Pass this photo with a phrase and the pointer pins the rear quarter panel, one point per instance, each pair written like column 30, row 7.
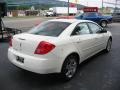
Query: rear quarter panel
column 64, row 47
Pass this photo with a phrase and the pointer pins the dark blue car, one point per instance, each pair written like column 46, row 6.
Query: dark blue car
column 96, row 17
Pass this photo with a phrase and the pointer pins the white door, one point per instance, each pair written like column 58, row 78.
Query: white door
column 84, row 40
column 99, row 37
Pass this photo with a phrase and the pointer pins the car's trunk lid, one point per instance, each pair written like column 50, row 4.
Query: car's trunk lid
column 27, row 43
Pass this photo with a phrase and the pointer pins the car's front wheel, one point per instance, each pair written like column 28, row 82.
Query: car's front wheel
column 108, row 47
column 69, row 67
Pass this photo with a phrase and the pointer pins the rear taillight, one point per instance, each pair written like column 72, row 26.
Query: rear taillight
column 10, row 42
column 44, row 48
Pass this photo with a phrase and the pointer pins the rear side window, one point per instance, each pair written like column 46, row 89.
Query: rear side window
column 51, row 28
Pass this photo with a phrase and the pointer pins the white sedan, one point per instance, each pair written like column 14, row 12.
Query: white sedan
column 58, row 46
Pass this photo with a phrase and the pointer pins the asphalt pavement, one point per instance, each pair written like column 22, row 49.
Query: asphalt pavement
column 101, row 72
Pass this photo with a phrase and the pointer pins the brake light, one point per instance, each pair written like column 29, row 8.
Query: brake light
column 44, row 48
column 10, row 41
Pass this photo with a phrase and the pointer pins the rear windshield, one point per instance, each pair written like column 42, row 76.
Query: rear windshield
column 51, row 28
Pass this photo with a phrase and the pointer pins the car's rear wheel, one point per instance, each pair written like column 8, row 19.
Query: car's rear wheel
column 108, row 47
column 103, row 23
column 69, row 67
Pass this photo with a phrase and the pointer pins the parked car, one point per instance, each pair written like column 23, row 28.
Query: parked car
column 96, row 17
column 58, row 46
column 116, row 17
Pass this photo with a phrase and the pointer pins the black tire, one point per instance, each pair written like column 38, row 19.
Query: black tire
column 69, row 68
column 108, row 47
column 103, row 23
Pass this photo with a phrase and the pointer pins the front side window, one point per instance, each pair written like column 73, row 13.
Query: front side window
column 81, row 29
column 50, row 28
column 95, row 28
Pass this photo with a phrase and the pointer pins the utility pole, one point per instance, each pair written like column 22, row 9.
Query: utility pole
column 76, row 1
column 116, row 3
column 68, row 6
column 1, row 25
column 102, row 6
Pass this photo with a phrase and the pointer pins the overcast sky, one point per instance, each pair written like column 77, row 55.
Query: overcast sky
column 93, row 3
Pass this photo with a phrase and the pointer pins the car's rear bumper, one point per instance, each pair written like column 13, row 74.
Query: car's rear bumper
column 34, row 64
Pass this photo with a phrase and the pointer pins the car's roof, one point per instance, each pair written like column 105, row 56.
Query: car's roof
column 70, row 20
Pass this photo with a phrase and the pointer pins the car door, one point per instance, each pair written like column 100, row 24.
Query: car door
column 100, row 40
column 83, row 40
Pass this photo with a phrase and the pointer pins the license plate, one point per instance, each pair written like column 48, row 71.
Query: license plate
column 20, row 59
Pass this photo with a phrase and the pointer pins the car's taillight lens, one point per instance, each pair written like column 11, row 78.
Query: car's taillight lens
column 10, row 42
column 44, row 48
